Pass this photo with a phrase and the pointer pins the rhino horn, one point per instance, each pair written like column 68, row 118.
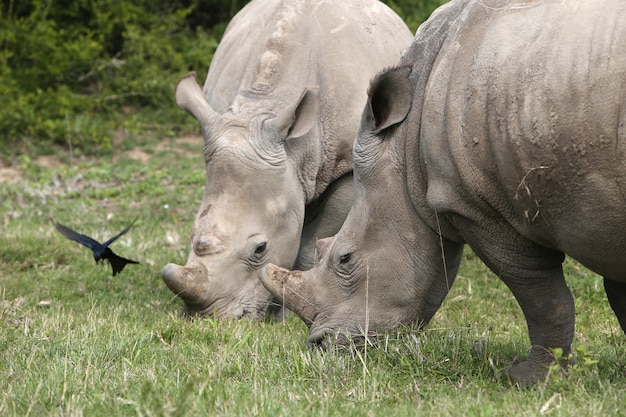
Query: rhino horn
column 190, row 282
column 189, row 97
column 289, row 288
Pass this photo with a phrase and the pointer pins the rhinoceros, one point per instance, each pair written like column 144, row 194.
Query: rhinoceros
column 279, row 112
column 502, row 127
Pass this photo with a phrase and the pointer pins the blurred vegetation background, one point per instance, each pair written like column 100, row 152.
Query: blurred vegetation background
column 82, row 73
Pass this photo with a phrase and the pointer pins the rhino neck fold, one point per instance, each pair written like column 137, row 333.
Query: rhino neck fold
column 429, row 39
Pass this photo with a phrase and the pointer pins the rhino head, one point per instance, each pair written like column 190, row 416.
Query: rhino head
column 388, row 265
column 253, row 205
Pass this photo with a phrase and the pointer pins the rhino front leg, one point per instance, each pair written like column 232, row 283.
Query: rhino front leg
column 548, row 307
column 324, row 217
column 535, row 276
column 616, row 293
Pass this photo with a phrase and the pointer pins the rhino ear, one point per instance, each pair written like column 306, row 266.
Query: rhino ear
column 295, row 121
column 189, row 97
column 389, row 98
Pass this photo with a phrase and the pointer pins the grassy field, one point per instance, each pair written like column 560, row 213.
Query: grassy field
column 75, row 341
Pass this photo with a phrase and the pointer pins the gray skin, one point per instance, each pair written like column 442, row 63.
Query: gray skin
column 279, row 112
column 503, row 127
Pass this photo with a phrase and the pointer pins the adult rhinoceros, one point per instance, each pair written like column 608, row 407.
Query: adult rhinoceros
column 279, row 112
column 503, row 127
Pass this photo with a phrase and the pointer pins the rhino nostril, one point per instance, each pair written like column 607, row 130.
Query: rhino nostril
column 207, row 245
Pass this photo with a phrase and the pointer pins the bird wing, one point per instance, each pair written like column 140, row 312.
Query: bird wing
column 117, row 262
column 108, row 242
column 77, row 237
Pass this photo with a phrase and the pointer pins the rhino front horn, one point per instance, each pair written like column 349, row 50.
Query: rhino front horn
column 288, row 288
column 190, row 283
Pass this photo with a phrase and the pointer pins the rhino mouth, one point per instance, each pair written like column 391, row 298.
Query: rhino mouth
column 317, row 338
column 223, row 308
column 340, row 340
column 191, row 311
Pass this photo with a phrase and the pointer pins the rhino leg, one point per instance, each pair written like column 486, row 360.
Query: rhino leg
column 324, row 217
column 548, row 307
column 616, row 293
column 535, row 276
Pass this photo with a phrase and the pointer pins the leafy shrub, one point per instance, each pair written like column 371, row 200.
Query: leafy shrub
column 69, row 69
column 76, row 72
column 414, row 12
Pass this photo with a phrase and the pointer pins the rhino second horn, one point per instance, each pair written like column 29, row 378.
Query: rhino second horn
column 189, row 97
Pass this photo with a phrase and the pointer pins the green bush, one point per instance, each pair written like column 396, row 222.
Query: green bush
column 71, row 69
column 414, row 12
column 77, row 72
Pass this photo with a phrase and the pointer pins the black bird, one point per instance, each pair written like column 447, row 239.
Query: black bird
column 100, row 250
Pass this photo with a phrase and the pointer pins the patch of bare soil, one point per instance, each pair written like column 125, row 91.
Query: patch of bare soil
column 9, row 175
column 185, row 145
column 138, row 155
column 48, row 161
column 12, row 175
column 188, row 145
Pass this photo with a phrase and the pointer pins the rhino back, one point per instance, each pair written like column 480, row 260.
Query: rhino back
column 524, row 121
column 273, row 48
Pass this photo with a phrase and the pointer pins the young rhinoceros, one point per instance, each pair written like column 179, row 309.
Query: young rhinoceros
column 503, row 127
column 279, row 112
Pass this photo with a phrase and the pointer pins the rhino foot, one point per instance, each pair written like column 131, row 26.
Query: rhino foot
column 537, row 368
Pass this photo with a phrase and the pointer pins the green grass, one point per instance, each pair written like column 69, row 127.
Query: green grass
column 75, row 341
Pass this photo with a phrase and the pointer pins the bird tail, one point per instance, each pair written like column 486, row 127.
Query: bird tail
column 118, row 263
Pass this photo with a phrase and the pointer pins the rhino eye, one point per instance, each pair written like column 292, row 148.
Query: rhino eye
column 345, row 258
column 260, row 249
column 256, row 252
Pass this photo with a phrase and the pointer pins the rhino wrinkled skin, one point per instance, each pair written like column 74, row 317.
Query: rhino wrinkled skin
column 279, row 113
column 502, row 127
